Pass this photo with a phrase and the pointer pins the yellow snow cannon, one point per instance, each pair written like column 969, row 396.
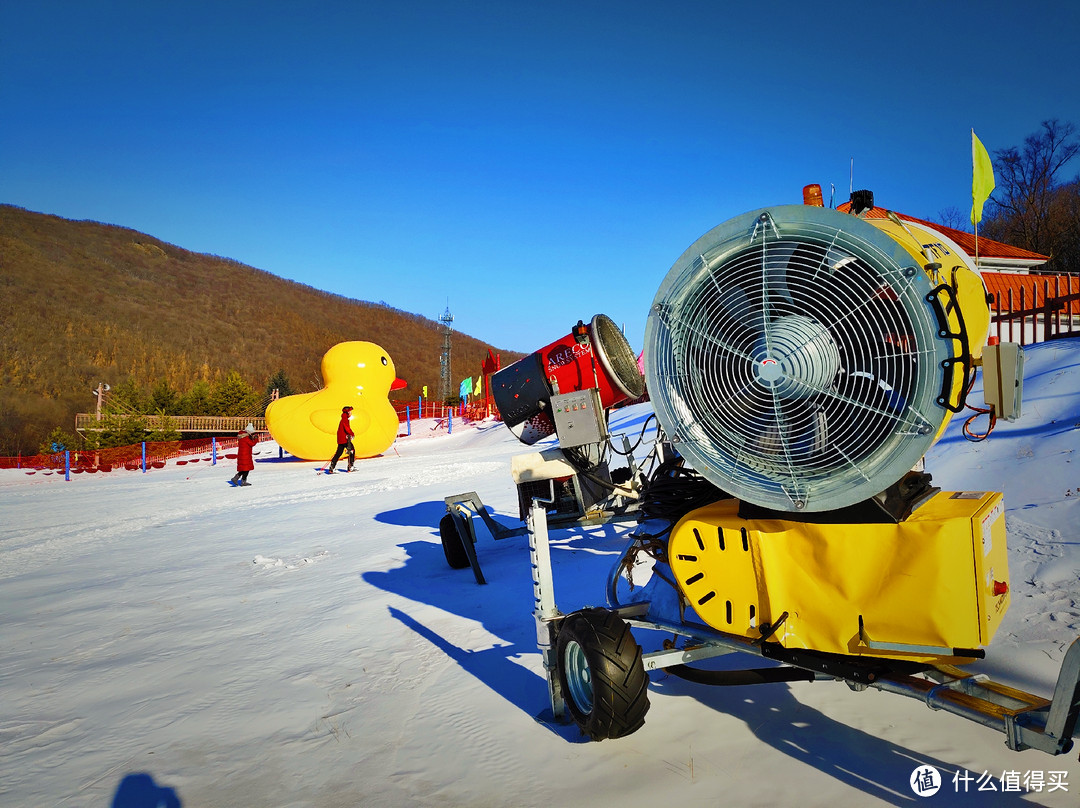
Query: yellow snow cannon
column 804, row 360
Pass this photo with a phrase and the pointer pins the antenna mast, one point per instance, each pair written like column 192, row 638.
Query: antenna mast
column 445, row 385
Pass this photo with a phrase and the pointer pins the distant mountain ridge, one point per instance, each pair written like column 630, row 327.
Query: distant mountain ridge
column 83, row 302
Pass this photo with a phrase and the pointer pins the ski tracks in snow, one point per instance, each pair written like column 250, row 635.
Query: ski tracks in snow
column 26, row 548
column 291, row 563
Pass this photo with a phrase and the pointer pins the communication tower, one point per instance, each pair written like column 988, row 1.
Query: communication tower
column 445, row 384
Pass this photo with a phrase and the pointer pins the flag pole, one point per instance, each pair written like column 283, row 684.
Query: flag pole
column 973, row 202
column 976, row 245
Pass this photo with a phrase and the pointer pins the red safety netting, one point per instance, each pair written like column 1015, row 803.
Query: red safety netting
column 128, row 458
column 415, row 411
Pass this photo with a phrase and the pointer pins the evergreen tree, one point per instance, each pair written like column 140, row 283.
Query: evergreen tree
column 164, row 400
column 57, row 441
column 280, row 382
column 234, row 396
column 126, row 397
column 117, row 430
column 165, row 433
column 196, row 401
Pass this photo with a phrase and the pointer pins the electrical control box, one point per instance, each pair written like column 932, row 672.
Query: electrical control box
column 579, row 418
column 1003, row 378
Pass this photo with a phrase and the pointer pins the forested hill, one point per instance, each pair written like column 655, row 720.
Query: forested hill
column 83, row 302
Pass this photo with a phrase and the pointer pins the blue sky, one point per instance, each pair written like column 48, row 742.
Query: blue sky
column 529, row 163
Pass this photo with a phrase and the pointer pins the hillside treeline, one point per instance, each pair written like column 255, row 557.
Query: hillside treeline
column 122, row 419
column 85, row 302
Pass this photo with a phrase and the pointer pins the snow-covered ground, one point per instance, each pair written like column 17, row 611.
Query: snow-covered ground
column 166, row 639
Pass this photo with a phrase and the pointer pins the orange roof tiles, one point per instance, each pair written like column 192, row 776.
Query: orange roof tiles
column 999, row 283
column 988, row 248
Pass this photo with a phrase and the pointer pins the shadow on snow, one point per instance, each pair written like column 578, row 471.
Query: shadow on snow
column 581, row 560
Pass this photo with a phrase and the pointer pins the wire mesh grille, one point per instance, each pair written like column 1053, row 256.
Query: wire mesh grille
column 795, row 358
column 615, row 353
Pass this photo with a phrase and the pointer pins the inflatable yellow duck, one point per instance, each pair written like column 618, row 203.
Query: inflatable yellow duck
column 355, row 374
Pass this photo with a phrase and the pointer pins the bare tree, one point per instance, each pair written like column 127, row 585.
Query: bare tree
column 1065, row 222
column 1023, row 205
column 953, row 217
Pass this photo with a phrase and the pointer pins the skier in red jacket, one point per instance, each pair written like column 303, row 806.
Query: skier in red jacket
column 344, row 441
column 244, row 462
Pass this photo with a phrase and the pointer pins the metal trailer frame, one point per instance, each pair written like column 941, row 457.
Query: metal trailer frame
column 464, row 507
column 620, row 505
column 1027, row 721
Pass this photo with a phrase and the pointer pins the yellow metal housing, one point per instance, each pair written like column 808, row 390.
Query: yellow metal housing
column 917, row 590
column 953, row 267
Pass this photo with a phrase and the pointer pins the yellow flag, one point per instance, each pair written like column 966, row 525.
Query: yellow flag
column 982, row 178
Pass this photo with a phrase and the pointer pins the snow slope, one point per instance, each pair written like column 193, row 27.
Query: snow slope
column 168, row 639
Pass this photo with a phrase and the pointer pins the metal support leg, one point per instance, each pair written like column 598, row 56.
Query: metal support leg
column 544, row 610
column 1064, row 709
column 463, row 523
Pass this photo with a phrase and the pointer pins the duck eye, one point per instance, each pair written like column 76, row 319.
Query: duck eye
column 384, row 360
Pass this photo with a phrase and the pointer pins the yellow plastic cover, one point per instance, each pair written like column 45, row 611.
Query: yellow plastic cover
column 915, row 590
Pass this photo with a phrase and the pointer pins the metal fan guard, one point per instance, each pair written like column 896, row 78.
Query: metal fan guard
column 793, row 357
column 616, row 356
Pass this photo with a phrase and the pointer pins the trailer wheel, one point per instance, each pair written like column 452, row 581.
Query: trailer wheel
column 601, row 673
column 453, row 543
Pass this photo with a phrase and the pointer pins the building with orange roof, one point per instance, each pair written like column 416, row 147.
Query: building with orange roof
column 993, row 255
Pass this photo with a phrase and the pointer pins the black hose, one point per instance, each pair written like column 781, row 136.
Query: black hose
column 674, row 490
column 751, row 676
column 599, row 481
column 637, row 443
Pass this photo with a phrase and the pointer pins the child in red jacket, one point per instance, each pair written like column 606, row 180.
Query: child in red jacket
column 244, row 461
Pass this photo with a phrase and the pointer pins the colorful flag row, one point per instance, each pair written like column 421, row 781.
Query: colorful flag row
column 470, row 388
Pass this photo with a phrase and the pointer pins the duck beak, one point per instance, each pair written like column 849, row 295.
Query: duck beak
column 399, row 384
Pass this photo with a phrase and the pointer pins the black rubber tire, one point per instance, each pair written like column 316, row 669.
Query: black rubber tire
column 601, row 674
column 453, row 544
